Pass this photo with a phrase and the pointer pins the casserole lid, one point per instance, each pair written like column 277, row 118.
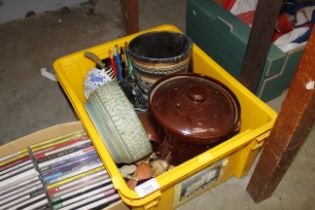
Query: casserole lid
column 196, row 107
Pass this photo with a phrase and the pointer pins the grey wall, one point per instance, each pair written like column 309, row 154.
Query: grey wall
column 16, row 9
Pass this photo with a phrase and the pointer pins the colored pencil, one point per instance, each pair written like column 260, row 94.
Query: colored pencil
column 112, row 62
column 117, row 62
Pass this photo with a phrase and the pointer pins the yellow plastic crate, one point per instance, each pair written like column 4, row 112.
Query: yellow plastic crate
column 234, row 157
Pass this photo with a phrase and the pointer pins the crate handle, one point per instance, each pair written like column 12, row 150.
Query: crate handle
column 263, row 136
column 151, row 204
column 258, row 145
column 260, row 140
column 229, row 25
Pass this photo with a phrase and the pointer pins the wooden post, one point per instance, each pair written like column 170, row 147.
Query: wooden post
column 292, row 126
column 130, row 15
column 259, row 42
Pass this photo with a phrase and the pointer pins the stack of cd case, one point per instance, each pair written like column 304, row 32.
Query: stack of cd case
column 73, row 173
column 64, row 157
column 90, row 190
column 60, row 173
column 20, row 183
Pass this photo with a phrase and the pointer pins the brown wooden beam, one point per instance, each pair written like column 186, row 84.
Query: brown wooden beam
column 292, row 126
column 130, row 15
column 259, row 42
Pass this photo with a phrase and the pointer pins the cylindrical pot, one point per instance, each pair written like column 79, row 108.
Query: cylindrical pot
column 193, row 113
column 118, row 124
column 157, row 54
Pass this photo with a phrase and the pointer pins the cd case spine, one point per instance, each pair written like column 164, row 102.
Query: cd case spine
column 60, row 173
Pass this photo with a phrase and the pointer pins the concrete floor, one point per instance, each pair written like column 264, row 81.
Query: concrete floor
column 30, row 102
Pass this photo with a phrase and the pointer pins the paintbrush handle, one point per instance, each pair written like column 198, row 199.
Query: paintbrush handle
column 95, row 59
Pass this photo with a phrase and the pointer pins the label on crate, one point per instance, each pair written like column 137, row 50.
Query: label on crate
column 147, row 187
column 194, row 185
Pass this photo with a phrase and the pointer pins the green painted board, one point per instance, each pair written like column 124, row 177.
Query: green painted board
column 224, row 38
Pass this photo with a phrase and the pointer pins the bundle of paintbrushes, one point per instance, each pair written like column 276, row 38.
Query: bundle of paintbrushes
column 116, row 67
column 121, row 62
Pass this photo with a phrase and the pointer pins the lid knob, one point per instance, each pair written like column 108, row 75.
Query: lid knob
column 197, row 93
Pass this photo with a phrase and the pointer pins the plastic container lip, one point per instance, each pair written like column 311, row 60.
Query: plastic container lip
column 149, row 37
column 64, row 67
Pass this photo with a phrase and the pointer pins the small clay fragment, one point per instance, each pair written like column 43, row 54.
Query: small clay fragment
column 126, row 170
column 159, row 167
column 143, row 171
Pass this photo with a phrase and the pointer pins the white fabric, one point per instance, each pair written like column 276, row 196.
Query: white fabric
column 283, row 42
column 242, row 6
column 290, row 46
column 304, row 15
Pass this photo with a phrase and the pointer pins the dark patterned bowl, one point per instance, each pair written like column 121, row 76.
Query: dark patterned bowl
column 156, row 54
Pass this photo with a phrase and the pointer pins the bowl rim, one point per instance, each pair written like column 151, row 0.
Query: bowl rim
column 174, row 59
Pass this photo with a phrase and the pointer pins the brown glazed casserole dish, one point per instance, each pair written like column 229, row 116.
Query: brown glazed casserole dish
column 192, row 113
